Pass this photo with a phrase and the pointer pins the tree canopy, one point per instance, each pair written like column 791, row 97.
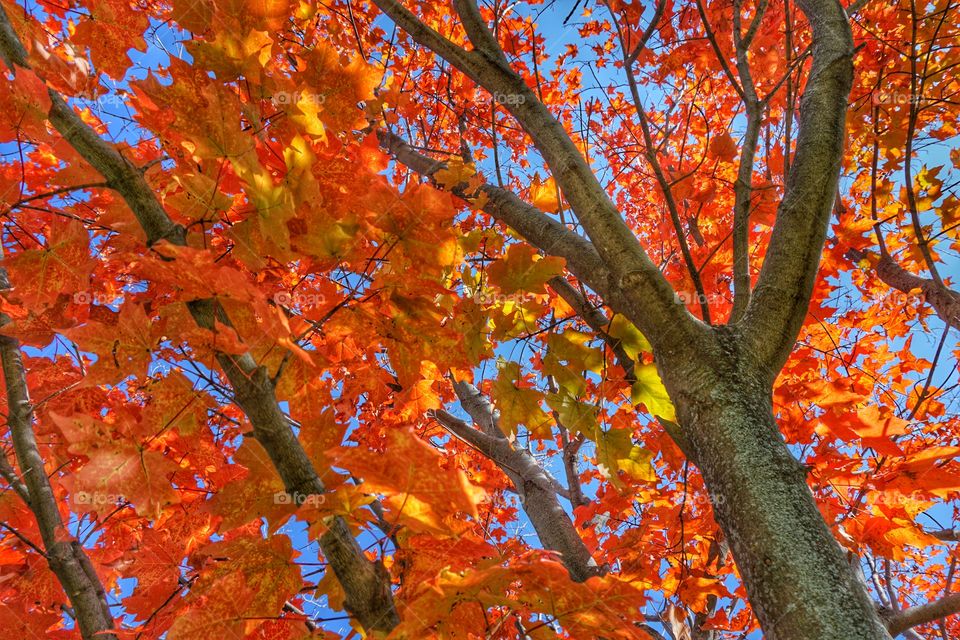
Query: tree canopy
column 460, row 319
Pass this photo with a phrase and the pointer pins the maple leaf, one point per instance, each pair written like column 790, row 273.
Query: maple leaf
column 455, row 173
column 174, row 404
column 243, row 582
column 117, row 470
column 616, row 452
column 630, row 338
column 251, row 490
column 696, row 590
column 523, row 270
column 123, row 344
column 723, row 147
column 61, row 266
column 518, row 405
column 111, row 31
column 193, row 15
column 420, row 491
column 156, row 558
column 575, row 415
column 873, row 428
column 24, row 108
column 543, row 587
column 543, row 194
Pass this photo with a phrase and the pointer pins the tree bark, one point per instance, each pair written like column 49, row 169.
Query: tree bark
column 901, row 621
column 797, row 577
column 945, row 301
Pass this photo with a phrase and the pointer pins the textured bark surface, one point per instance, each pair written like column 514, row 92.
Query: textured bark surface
column 798, row 579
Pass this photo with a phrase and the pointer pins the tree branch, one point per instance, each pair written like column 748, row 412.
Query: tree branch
column 537, row 489
column 945, row 301
column 661, row 317
column 10, row 474
column 947, row 535
column 900, row 621
column 743, row 188
column 522, row 461
column 570, row 450
column 712, row 39
column 545, row 233
column 779, row 305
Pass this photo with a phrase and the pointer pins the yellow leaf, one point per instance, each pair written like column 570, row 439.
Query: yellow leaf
column 650, row 391
column 632, row 341
column 638, row 464
column 518, row 405
column 455, row 173
column 420, row 490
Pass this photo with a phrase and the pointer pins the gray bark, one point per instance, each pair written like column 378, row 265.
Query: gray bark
column 797, row 577
column 945, row 301
column 899, row 622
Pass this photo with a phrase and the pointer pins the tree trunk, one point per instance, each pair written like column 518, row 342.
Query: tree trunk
column 797, row 577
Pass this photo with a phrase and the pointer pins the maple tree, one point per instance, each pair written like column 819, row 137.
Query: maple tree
column 503, row 319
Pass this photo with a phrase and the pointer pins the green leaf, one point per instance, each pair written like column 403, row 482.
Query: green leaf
column 518, row 405
column 616, row 452
column 565, row 377
column 575, row 416
column 572, row 348
column 638, row 465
